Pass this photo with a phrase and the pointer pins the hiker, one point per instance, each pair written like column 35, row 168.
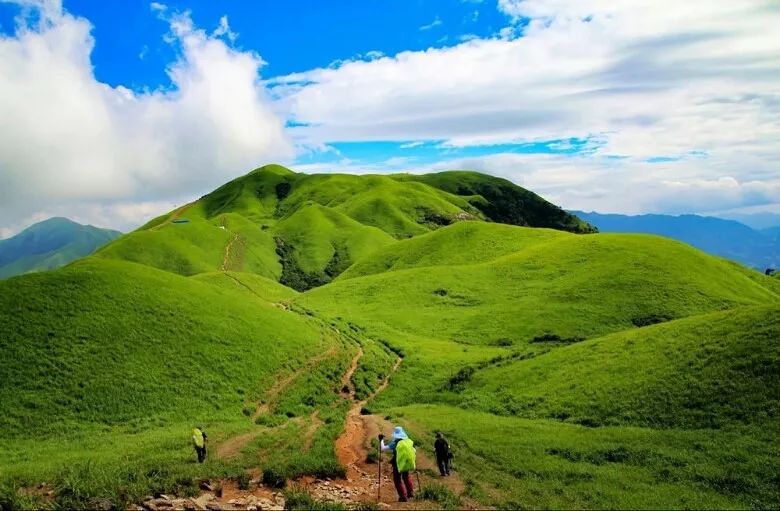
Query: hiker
column 199, row 440
column 403, row 462
column 443, row 454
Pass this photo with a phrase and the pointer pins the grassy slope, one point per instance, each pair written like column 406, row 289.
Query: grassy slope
column 461, row 243
column 543, row 464
column 205, row 348
column 183, row 349
column 717, row 371
column 570, row 286
column 501, row 200
column 99, row 393
column 319, row 233
column 714, row 371
column 395, row 207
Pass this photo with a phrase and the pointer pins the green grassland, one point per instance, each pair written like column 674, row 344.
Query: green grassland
column 568, row 370
column 534, row 463
column 566, row 285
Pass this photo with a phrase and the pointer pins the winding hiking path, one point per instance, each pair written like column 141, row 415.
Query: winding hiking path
column 361, row 484
column 226, row 258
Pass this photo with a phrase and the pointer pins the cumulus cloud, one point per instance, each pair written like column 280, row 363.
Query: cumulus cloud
column 648, row 78
column 627, row 185
column 71, row 143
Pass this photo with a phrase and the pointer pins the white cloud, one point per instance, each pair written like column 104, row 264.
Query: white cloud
column 435, row 23
column 224, row 30
column 626, row 185
column 649, row 78
column 71, row 143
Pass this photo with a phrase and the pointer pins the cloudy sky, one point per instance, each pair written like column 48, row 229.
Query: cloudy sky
column 114, row 112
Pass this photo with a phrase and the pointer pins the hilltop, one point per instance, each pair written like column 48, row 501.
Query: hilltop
column 50, row 244
column 304, row 230
column 293, row 316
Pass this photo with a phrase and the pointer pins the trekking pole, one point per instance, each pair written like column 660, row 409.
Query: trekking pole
column 379, row 476
column 417, row 473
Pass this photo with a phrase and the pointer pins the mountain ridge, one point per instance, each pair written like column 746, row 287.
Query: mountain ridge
column 50, row 244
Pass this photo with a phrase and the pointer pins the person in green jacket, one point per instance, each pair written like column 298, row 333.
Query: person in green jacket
column 403, row 462
column 199, row 440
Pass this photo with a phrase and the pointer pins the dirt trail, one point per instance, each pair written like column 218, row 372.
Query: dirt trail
column 347, row 389
column 352, row 448
column 226, row 257
column 174, row 216
column 316, row 423
column 282, row 383
column 231, row 447
column 360, row 485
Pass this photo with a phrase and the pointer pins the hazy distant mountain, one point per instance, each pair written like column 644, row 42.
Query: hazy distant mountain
column 50, row 244
column 726, row 238
column 758, row 221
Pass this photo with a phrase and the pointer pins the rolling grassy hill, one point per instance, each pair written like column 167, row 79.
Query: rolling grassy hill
column 50, row 244
column 557, row 284
column 304, row 230
column 568, row 370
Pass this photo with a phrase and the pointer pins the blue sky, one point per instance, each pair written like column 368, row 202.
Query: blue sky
column 116, row 111
column 313, row 34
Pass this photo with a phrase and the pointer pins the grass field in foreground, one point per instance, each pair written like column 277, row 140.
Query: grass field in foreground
column 533, row 464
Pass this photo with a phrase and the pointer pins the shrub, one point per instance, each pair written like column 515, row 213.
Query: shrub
column 274, row 478
column 555, row 338
column 283, row 190
column 456, row 382
column 243, row 480
column 649, row 319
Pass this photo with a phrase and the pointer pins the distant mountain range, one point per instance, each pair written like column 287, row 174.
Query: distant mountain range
column 759, row 249
column 50, row 244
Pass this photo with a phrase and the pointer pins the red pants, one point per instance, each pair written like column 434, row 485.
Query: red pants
column 403, row 483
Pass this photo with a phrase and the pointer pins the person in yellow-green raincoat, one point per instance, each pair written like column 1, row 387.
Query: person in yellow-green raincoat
column 199, row 440
column 403, row 462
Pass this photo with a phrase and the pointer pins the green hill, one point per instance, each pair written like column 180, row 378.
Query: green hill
column 502, row 201
column 185, row 349
column 708, row 371
column 304, row 230
column 567, row 370
column 556, row 284
column 50, row 244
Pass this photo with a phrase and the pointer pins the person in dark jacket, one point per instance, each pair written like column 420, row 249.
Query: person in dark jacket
column 443, row 454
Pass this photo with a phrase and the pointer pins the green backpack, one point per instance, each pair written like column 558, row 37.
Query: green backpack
column 405, row 456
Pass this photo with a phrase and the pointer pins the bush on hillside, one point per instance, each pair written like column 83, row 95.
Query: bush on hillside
column 650, row 319
column 459, row 380
column 274, row 477
column 555, row 338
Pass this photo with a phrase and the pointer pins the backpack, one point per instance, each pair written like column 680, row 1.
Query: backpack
column 405, row 457
column 197, row 438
